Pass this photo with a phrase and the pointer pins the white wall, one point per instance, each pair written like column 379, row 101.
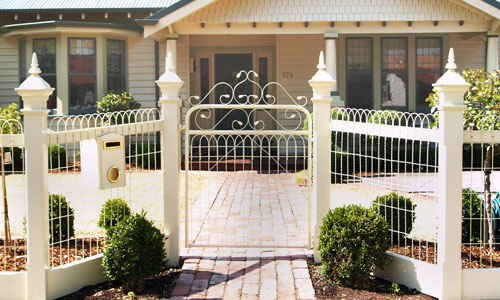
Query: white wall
column 9, row 71
column 141, row 70
column 470, row 50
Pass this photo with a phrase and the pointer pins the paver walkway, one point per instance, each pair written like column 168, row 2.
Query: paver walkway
column 247, row 209
column 238, row 273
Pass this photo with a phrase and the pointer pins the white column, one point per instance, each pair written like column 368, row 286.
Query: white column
column 492, row 51
column 321, row 84
column 171, row 40
column 35, row 92
column 331, row 65
column 170, row 85
column 450, row 88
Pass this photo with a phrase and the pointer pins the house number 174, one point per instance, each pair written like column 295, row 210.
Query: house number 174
column 287, row 75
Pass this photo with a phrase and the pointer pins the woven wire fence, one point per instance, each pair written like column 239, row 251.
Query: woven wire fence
column 388, row 160
column 78, row 217
column 13, row 241
column 481, row 197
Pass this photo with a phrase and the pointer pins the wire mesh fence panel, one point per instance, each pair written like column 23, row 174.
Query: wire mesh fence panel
column 480, row 196
column 82, row 215
column 13, row 241
column 388, row 160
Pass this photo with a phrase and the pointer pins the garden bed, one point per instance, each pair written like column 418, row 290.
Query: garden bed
column 374, row 288
column 154, row 287
column 13, row 258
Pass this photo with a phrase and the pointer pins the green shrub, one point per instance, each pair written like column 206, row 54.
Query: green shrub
column 113, row 212
column 398, row 211
column 117, row 102
column 11, row 114
column 146, row 156
column 352, row 242
column 472, row 211
column 62, row 218
column 57, row 157
column 134, row 251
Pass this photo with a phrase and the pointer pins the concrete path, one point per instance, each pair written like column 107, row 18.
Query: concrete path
column 239, row 273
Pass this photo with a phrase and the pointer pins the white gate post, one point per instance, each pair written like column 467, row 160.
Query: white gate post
column 35, row 92
column 450, row 89
column 170, row 85
column 321, row 83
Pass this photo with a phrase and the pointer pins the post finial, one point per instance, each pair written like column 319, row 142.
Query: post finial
column 321, row 63
column 451, row 65
column 34, row 70
column 169, row 63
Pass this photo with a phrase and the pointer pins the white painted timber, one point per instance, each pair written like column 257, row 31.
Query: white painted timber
column 71, row 277
column 382, row 130
column 9, row 74
column 481, row 136
column 470, row 49
column 13, row 286
column 412, row 273
column 141, row 70
column 480, row 284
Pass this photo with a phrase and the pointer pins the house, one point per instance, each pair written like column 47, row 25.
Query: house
column 384, row 54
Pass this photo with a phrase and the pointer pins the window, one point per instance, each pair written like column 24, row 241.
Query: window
column 115, row 58
column 204, row 80
column 394, row 73
column 82, row 75
column 359, row 77
column 429, row 66
column 46, row 52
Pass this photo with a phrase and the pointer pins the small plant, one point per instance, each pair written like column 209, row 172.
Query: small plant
column 62, row 217
column 352, row 243
column 398, row 211
column 394, row 289
column 134, row 251
column 117, row 102
column 131, row 295
column 113, row 212
column 472, row 208
column 57, row 157
column 146, row 156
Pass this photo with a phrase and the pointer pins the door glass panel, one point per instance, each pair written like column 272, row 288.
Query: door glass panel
column 429, row 66
column 394, row 73
column 359, row 72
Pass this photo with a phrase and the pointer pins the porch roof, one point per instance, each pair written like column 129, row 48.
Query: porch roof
column 84, row 5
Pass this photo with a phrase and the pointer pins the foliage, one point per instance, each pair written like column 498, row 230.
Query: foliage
column 10, row 112
column 352, row 242
column 112, row 103
column 398, row 211
column 472, row 208
column 394, row 289
column 482, row 100
column 57, row 157
column 134, row 251
column 146, row 156
column 387, row 117
column 62, row 218
column 113, row 212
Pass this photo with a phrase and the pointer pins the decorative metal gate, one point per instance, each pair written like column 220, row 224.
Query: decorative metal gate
column 247, row 163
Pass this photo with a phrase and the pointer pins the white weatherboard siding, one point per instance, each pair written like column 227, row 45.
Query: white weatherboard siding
column 9, row 71
column 141, row 70
column 297, row 57
column 470, row 50
column 342, row 10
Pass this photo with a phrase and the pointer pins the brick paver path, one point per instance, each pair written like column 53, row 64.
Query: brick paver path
column 247, row 209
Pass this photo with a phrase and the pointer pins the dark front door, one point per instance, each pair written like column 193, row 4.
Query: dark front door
column 227, row 66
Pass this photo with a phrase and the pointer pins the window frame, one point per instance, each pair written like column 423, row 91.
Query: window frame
column 420, row 109
column 68, row 71
column 124, row 62
column 407, row 100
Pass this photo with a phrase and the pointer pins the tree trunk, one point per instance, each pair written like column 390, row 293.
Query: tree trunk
column 5, row 204
column 487, row 195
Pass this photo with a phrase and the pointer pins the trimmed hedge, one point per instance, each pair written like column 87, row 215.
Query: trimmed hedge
column 113, row 212
column 62, row 216
column 399, row 212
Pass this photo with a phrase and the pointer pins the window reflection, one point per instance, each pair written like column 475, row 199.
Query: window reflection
column 46, row 53
column 429, row 67
column 359, row 72
column 394, row 73
column 82, row 77
column 115, row 63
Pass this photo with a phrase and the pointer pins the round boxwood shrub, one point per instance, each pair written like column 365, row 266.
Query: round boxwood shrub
column 352, row 243
column 472, row 211
column 134, row 251
column 398, row 211
column 57, row 157
column 62, row 219
column 113, row 212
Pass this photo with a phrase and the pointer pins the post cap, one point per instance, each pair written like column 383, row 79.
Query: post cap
column 169, row 82
column 321, row 83
column 451, row 77
column 34, row 90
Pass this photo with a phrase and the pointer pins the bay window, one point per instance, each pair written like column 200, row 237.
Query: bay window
column 46, row 52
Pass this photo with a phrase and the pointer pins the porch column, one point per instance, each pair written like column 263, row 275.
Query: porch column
column 172, row 47
column 331, row 65
column 492, row 51
column 321, row 84
column 35, row 92
column 170, row 84
column 450, row 89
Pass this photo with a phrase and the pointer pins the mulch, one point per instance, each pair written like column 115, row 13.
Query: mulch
column 373, row 289
column 13, row 258
column 473, row 257
column 155, row 287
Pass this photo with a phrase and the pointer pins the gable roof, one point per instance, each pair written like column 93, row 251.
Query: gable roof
column 83, row 5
